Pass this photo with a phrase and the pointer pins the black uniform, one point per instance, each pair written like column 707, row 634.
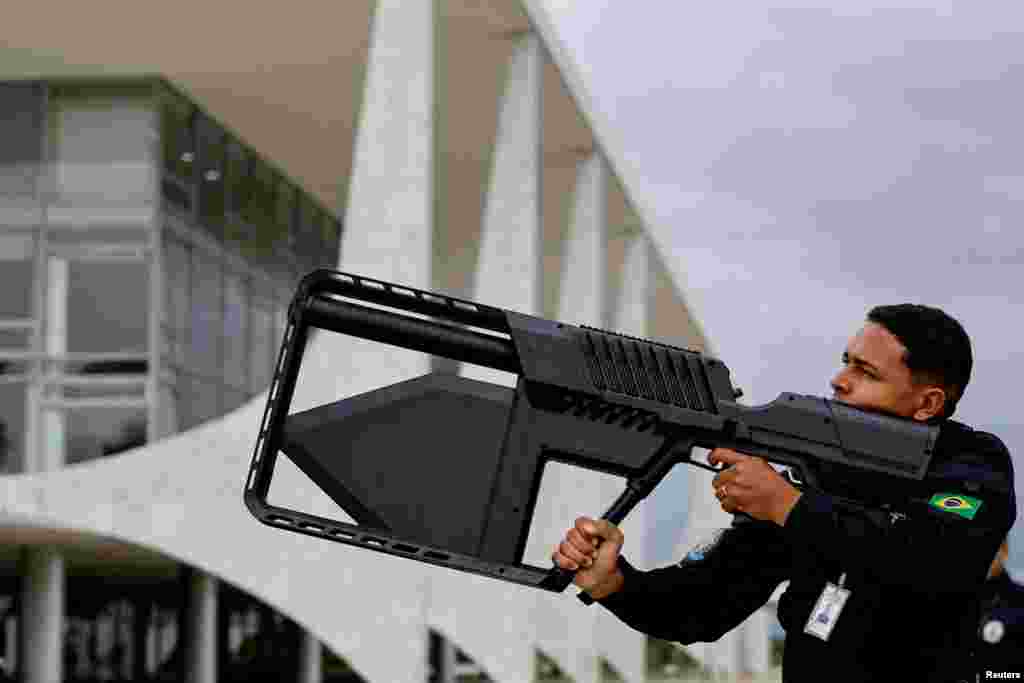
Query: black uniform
column 913, row 573
column 1001, row 628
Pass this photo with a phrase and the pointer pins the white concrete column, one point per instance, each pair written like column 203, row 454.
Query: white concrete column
column 41, row 627
column 508, row 271
column 387, row 235
column 388, row 215
column 42, row 616
column 50, row 448
column 310, row 659
column 623, row 647
column 463, row 606
column 202, row 629
column 566, row 628
column 583, row 290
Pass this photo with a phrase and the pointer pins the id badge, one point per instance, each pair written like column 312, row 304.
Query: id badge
column 827, row 610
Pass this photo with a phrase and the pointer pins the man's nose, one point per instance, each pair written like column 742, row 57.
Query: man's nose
column 840, row 383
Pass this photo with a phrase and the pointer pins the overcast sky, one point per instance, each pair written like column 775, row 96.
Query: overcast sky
column 798, row 163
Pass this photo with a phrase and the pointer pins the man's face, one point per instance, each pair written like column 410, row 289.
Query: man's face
column 875, row 377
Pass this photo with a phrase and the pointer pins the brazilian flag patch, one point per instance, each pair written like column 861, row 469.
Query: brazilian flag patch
column 965, row 506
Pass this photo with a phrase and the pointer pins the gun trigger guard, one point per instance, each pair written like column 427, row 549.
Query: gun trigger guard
column 709, row 468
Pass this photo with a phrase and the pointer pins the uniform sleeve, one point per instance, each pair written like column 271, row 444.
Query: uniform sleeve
column 925, row 548
column 711, row 591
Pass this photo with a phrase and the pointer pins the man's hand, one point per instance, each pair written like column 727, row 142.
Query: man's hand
column 752, row 486
column 592, row 547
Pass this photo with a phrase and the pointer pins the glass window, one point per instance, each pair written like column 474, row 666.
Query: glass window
column 14, row 339
column 108, row 306
column 261, row 335
column 176, row 115
column 211, row 152
column 12, row 426
column 285, row 203
column 304, row 249
column 236, row 331
column 237, row 180
column 205, row 324
column 331, row 241
column 267, row 238
column 177, row 148
column 103, row 237
column 198, row 400
column 177, row 269
column 233, row 399
column 95, row 432
column 103, row 149
column 103, row 379
column 21, row 135
column 16, row 270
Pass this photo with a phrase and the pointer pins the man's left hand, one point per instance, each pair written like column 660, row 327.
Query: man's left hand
column 752, row 486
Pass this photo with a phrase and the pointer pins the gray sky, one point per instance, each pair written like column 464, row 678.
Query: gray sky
column 801, row 162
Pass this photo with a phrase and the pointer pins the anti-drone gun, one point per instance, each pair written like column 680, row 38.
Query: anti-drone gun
column 445, row 469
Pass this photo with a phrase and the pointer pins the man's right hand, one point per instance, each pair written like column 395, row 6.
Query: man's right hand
column 591, row 548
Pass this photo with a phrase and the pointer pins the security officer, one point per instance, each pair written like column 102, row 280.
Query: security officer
column 873, row 595
column 1001, row 629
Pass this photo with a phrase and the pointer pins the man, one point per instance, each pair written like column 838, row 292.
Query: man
column 1001, row 627
column 874, row 595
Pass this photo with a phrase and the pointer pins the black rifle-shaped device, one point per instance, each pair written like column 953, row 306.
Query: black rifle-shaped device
column 445, row 469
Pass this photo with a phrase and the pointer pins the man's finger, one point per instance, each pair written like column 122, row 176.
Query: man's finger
column 564, row 562
column 573, row 554
column 725, row 477
column 595, row 529
column 579, row 542
column 586, row 526
column 725, row 456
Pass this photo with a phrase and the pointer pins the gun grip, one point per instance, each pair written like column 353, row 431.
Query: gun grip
column 558, row 579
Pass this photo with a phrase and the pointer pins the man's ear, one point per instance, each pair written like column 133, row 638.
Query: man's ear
column 930, row 403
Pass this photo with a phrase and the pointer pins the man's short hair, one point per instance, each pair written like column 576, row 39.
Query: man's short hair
column 938, row 348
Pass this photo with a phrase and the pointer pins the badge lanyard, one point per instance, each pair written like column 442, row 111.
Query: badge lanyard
column 827, row 610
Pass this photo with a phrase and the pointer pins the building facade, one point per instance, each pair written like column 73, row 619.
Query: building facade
column 149, row 256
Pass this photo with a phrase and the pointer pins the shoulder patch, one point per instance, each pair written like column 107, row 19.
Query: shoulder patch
column 965, row 506
column 703, row 548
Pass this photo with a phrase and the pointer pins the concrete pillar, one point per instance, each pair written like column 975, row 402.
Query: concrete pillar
column 583, row 291
column 42, row 616
column 49, row 451
column 201, row 632
column 624, row 648
column 310, row 659
column 566, row 629
column 508, row 273
column 507, row 276
column 387, row 235
column 390, row 205
column 41, row 627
